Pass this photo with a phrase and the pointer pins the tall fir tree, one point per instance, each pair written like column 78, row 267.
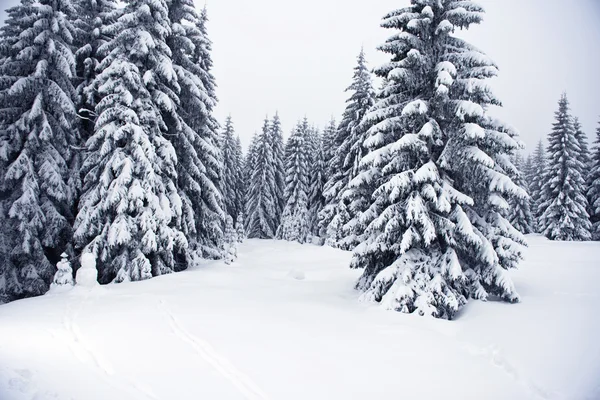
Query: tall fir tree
column 294, row 221
column 329, row 134
column 593, row 185
column 261, row 204
column 584, row 151
column 563, row 204
column 38, row 133
column 278, row 148
column 536, row 181
column 193, row 130
column 527, row 173
column 232, row 171
column 316, row 201
column 439, row 236
column 240, row 192
column 129, row 208
column 348, row 150
column 519, row 213
column 93, row 19
column 249, row 165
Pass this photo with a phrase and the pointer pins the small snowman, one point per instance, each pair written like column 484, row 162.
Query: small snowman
column 87, row 274
column 63, row 278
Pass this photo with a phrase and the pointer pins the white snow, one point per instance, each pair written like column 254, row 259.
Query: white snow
column 87, row 274
column 254, row 330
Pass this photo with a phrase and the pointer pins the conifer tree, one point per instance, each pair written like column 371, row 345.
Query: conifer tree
column 536, row 181
column 439, row 236
column 316, row 201
column 348, row 149
column 294, row 221
column 563, row 204
column 261, row 204
column 593, row 185
column 232, row 179
column 527, row 170
column 38, row 132
column 128, row 211
column 230, row 242
column 329, row 134
column 584, row 151
column 279, row 167
column 519, row 213
column 249, row 165
column 239, row 228
column 193, row 130
column 93, row 18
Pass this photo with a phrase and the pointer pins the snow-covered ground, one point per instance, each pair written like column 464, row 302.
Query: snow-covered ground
column 283, row 322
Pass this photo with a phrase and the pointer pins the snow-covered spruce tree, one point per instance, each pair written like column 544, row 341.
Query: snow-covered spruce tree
column 584, row 151
column 92, row 19
column 348, row 148
column 193, row 130
column 563, row 204
column 230, row 242
column 279, row 167
column 232, row 172
column 593, row 187
column 536, row 181
column 239, row 228
column 519, row 213
column 240, row 190
column 440, row 236
column 527, row 171
column 261, row 204
column 249, row 165
column 38, row 133
column 316, row 201
column 294, row 221
column 128, row 210
column 329, row 134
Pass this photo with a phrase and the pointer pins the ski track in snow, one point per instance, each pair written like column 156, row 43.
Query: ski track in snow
column 495, row 356
column 73, row 338
column 248, row 388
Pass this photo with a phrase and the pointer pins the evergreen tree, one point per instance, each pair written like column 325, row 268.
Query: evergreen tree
column 593, row 191
column 527, row 170
column 563, row 203
column 279, row 167
column 261, row 204
column 536, row 181
column 239, row 228
column 519, row 213
column 316, row 201
column 230, row 242
column 193, row 130
column 329, row 134
column 294, row 221
column 348, row 151
column 232, row 172
column 93, row 18
column 584, row 151
column 249, row 165
column 439, row 235
column 128, row 211
column 240, row 192
column 38, row 132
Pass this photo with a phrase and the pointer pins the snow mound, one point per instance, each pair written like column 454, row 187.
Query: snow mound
column 297, row 274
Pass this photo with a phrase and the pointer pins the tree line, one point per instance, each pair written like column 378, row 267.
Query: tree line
column 110, row 148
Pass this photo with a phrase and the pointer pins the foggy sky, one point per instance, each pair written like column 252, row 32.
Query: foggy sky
column 297, row 58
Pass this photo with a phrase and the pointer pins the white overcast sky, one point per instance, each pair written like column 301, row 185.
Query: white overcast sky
column 296, row 57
